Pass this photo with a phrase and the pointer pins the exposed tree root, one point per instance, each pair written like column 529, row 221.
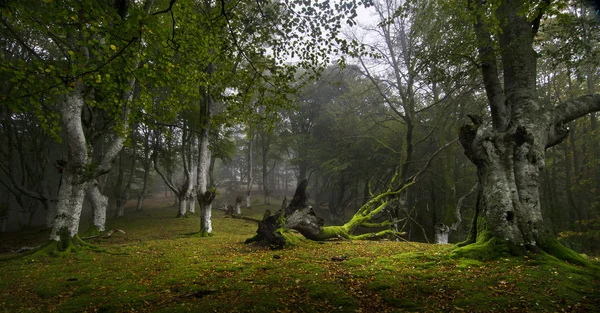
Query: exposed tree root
column 94, row 231
column 108, row 234
column 64, row 247
column 486, row 246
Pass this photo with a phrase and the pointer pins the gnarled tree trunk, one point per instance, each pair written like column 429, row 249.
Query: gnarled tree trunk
column 509, row 152
column 273, row 230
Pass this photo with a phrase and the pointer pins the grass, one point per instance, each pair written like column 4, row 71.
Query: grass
column 162, row 268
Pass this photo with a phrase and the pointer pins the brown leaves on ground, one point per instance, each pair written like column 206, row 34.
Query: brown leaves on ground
column 165, row 270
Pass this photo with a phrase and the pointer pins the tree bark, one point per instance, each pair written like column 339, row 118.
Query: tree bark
column 99, row 203
column 72, row 188
column 250, row 174
column 510, row 155
column 147, row 164
column 205, row 194
column 238, row 205
column 273, row 230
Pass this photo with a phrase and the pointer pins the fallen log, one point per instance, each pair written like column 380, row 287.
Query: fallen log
column 274, row 230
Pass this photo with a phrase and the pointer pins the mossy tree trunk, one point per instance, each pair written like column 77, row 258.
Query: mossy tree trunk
column 509, row 152
column 298, row 215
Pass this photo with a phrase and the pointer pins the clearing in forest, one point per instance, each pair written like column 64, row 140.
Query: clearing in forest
column 157, row 267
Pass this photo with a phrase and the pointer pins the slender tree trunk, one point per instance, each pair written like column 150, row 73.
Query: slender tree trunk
column 206, row 194
column 193, row 172
column 238, row 205
column 182, row 205
column 147, row 164
column 50, row 213
column 99, row 202
column 250, row 174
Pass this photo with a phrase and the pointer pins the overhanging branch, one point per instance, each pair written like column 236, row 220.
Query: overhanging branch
column 573, row 109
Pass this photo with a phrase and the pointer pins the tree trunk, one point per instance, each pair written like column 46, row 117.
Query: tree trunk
column 182, row 205
column 250, row 174
column 509, row 153
column 441, row 233
column 99, row 203
column 238, row 205
column 147, row 163
column 193, row 165
column 50, row 213
column 273, row 230
column 206, row 194
column 72, row 188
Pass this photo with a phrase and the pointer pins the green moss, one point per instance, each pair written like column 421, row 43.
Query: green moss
column 468, row 263
column 354, row 262
column 337, row 296
column 64, row 247
column 378, row 285
column 290, row 239
column 93, row 231
column 332, row 232
column 45, row 291
column 554, row 248
column 487, row 246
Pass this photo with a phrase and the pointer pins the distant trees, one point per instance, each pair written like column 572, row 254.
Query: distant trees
column 88, row 70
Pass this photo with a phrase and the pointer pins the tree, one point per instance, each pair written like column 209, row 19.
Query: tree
column 509, row 152
column 298, row 215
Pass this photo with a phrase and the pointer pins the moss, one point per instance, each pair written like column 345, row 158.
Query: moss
column 202, row 234
column 554, row 248
column 486, row 246
column 331, row 232
column 93, row 231
column 468, row 263
column 64, row 247
column 289, row 238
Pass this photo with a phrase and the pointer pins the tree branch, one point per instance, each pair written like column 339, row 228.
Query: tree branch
column 573, row 109
column 489, row 69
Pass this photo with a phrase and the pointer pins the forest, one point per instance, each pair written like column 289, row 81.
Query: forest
column 299, row 155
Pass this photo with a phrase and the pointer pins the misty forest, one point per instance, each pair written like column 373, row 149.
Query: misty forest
column 300, row 156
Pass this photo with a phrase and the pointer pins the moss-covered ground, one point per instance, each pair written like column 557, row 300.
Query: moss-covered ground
column 159, row 267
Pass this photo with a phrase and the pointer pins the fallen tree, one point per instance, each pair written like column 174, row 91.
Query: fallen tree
column 274, row 229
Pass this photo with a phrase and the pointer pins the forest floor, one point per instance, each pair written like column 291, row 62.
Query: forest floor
column 158, row 267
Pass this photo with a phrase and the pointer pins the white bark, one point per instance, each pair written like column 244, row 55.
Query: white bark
column 99, row 204
column 206, row 215
column 203, row 168
column 441, row 233
column 72, row 188
column 250, row 174
column 193, row 173
column 182, row 207
column 238, row 208
column 192, row 208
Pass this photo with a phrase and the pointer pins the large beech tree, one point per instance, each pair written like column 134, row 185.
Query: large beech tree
column 509, row 150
